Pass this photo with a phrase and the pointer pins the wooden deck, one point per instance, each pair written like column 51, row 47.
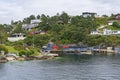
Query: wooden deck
column 77, row 52
column 88, row 52
column 103, row 51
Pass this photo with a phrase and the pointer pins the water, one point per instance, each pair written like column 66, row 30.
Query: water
column 68, row 68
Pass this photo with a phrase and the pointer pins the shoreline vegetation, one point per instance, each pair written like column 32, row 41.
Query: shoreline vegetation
column 51, row 52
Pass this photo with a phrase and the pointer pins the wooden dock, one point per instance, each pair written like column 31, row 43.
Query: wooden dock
column 103, row 51
column 77, row 52
column 88, row 52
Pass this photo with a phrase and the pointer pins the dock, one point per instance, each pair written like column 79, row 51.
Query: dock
column 76, row 52
column 103, row 52
column 87, row 52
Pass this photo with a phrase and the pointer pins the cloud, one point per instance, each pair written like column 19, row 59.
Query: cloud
column 19, row 9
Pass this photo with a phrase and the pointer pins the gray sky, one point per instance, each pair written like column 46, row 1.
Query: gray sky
column 19, row 9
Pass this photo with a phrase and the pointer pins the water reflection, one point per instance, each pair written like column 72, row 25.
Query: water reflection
column 66, row 67
column 2, row 70
column 74, row 58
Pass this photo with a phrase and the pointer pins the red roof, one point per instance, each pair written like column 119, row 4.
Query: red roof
column 55, row 47
column 65, row 46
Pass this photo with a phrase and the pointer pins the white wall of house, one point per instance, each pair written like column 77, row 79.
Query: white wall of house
column 107, row 32
column 33, row 24
column 16, row 37
column 13, row 39
column 95, row 33
column 36, row 21
column 111, row 32
column 29, row 26
column 86, row 14
column 110, row 23
column 116, row 32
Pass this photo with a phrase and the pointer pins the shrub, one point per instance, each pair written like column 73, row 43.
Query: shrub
column 26, row 52
column 31, row 52
column 22, row 52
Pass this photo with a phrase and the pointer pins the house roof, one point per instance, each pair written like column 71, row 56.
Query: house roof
column 18, row 34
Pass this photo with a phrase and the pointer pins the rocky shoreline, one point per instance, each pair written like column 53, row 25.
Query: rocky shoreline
column 41, row 57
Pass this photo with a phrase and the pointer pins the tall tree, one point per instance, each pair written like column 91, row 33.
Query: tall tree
column 64, row 17
column 38, row 16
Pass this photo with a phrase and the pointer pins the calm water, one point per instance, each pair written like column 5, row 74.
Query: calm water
column 72, row 68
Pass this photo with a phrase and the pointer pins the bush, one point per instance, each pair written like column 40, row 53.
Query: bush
column 26, row 52
column 3, row 48
column 22, row 52
column 30, row 52
column 116, row 24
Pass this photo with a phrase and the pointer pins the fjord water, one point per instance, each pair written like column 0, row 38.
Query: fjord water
column 63, row 68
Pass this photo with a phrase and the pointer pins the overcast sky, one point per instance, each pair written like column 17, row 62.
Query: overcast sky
column 19, row 9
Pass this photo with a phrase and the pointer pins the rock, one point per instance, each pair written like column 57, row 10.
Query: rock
column 10, row 58
column 21, row 58
column 46, row 57
column 54, row 55
column 3, row 60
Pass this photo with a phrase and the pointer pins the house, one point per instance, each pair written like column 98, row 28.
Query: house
column 33, row 24
column 89, row 14
column 26, row 27
column 37, row 32
column 29, row 26
column 95, row 33
column 111, row 32
column 116, row 32
column 117, row 17
column 42, row 32
column 36, row 21
column 110, row 23
column 16, row 37
column 107, row 32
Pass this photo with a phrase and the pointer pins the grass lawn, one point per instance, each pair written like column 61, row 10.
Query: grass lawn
column 11, row 49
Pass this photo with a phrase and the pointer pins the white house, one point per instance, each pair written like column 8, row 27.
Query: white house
column 29, row 26
column 33, row 24
column 36, row 21
column 111, row 32
column 89, row 14
column 110, row 23
column 116, row 32
column 107, row 32
column 16, row 37
column 95, row 33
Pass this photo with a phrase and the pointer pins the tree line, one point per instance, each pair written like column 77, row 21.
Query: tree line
column 62, row 29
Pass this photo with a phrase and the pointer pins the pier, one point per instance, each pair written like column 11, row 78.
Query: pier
column 87, row 52
column 108, row 51
column 77, row 52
